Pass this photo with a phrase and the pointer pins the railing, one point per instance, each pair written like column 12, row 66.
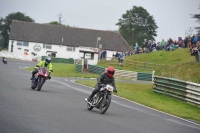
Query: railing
column 186, row 91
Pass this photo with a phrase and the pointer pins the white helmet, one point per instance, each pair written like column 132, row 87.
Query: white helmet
column 48, row 60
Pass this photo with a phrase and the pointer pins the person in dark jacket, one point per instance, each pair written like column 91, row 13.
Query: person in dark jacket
column 105, row 78
column 186, row 42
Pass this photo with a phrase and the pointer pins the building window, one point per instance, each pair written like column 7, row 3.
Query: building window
column 47, row 46
column 70, row 48
column 25, row 44
column 20, row 43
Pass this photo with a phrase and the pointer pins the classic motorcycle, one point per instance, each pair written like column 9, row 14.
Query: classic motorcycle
column 101, row 99
column 39, row 79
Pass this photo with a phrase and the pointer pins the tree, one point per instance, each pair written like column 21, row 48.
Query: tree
column 60, row 18
column 6, row 22
column 55, row 23
column 197, row 16
column 137, row 25
column 189, row 32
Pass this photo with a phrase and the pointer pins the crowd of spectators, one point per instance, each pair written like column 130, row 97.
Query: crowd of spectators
column 193, row 43
column 170, row 45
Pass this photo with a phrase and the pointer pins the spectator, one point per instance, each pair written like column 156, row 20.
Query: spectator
column 180, row 42
column 114, row 54
column 101, row 54
column 163, row 43
column 148, row 47
column 153, row 45
column 176, row 44
column 199, row 37
column 168, row 45
column 136, row 48
column 117, row 54
column 192, row 43
column 121, row 57
column 158, row 46
column 195, row 40
column 172, row 46
column 195, row 51
column 185, row 42
column 169, row 41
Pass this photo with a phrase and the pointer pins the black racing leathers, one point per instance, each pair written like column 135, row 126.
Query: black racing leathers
column 103, row 79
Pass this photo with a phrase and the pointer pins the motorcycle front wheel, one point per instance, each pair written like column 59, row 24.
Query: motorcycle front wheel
column 32, row 85
column 40, row 84
column 105, row 104
column 89, row 107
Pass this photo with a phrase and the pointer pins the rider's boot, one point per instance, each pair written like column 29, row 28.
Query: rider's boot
column 89, row 98
column 31, row 78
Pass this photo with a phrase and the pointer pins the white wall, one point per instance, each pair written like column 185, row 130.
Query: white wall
column 61, row 51
column 109, row 55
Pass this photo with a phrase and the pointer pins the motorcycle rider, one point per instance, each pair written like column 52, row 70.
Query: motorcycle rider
column 4, row 60
column 46, row 63
column 105, row 78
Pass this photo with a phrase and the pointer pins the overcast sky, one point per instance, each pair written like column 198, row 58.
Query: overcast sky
column 172, row 16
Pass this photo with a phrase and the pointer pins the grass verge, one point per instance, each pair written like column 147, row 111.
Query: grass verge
column 143, row 94
column 67, row 70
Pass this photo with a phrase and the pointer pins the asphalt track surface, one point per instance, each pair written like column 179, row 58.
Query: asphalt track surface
column 60, row 108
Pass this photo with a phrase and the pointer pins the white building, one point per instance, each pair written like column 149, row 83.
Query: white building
column 31, row 40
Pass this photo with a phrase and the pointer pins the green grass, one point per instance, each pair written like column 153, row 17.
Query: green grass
column 177, row 64
column 143, row 94
column 67, row 70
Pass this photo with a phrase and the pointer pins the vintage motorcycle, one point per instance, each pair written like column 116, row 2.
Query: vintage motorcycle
column 39, row 79
column 101, row 99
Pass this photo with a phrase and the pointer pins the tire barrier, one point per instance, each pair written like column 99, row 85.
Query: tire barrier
column 121, row 74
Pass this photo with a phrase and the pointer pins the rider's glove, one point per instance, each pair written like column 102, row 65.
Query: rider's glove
column 115, row 91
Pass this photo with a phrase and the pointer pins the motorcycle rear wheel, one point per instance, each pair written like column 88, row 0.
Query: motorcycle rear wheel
column 105, row 105
column 42, row 80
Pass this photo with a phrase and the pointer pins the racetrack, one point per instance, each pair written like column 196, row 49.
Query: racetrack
column 60, row 108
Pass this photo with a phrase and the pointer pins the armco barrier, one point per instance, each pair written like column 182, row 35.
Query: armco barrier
column 187, row 91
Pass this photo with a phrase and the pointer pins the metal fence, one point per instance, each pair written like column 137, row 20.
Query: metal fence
column 186, row 91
